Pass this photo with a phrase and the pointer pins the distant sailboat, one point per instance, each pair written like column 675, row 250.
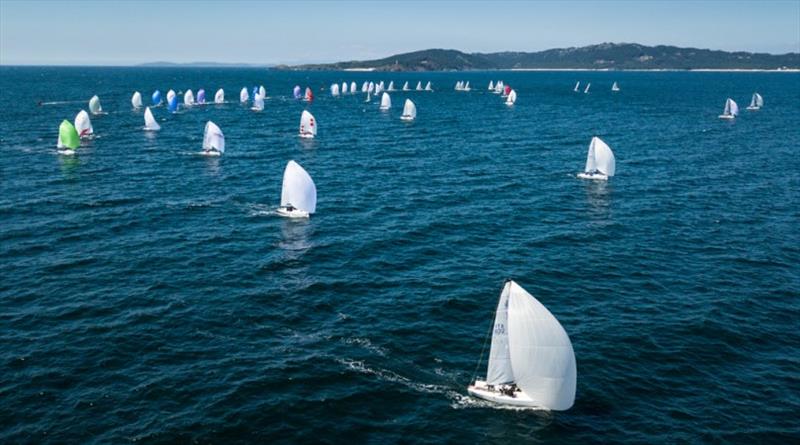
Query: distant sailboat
column 156, row 98
column 391, row 86
column 298, row 193
column 577, row 86
column 371, row 87
column 150, row 123
column 188, row 98
column 244, row 96
column 491, row 86
column 335, row 89
column 68, row 139
column 378, row 88
column 309, row 96
column 756, row 103
column 170, row 95
column 615, row 87
column 297, row 92
column 512, row 97
column 258, row 103
column 459, row 86
column 419, row 86
column 587, row 88
column 405, row 86
column 731, row 110
column 531, row 360
column 364, row 87
column 83, row 125
column 428, row 86
column 219, row 97
column 386, row 102
column 466, row 87
column 136, row 100
column 172, row 106
column 201, row 97
column 94, row 105
column 213, row 140
column 506, row 91
column 369, row 98
column 262, row 92
column 498, row 87
column 600, row 162
column 308, row 125
column 344, row 88
column 353, row 89
column 409, row 111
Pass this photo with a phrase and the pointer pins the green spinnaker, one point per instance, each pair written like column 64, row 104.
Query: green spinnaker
column 68, row 136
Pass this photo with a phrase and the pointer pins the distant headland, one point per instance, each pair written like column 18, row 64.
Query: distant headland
column 605, row 56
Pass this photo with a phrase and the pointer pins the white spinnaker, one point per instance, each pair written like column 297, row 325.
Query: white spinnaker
column 258, row 103
column 213, row 139
column 759, row 100
column 512, row 97
column 244, row 96
column 188, row 98
column 298, row 188
column 364, row 87
column 600, row 158
column 499, row 369
column 409, row 110
column 220, row 96
column 542, row 358
column 344, row 88
column 150, row 121
column 335, row 89
column 136, row 100
column 94, row 105
column 83, row 125
column 262, row 91
column 170, row 95
column 307, row 123
column 731, row 108
column 386, row 101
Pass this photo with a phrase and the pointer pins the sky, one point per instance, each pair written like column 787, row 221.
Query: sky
column 79, row 32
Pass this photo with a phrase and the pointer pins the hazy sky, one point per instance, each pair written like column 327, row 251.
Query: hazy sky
column 127, row 32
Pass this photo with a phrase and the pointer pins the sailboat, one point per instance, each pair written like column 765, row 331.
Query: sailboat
column 353, row 88
column 150, row 123
column 428, row 86
column 94, row 105
column 309, row 96
column 244, row 96
column 83, row 125
column 170, row 95
column 491, row 86
column 409, row 111
column 615, row 87
column 262, row 92
column 136, row 100
column 172, row 106
column 213, row 140
column 391, row 86
column 466, row 87
column 587, row 88
column 498, row 87
column 731, row 110
column 298, row 193
column 308, row 125
column 386, row 102
column 756, row 103
column 201, row 97
column 531, row 360
column 344, row 88
column 419, row 86
column 600, row 162
column 68, row 139
column 512, row 97
column 378, row 88
column 219, row 97
column 459, row 86
column 506, row 90
column 371, row 87
column 156, row 98
column 335, row 89
column 369, row 98
column 188, row 98
column 577, row 86
column 364, row 87
column 258, row 103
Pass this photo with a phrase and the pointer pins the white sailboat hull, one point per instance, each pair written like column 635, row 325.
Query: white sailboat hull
column 307, row 135
column 210, row 153
column 296, row 213
column 406, row 118
column 481, row 390
column 596, row 176
column 753, row 108
column 727, row 116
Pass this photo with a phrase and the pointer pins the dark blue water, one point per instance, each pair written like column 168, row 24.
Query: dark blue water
column 149, row 294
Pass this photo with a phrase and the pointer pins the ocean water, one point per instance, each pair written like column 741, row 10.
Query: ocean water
column 151, row 295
